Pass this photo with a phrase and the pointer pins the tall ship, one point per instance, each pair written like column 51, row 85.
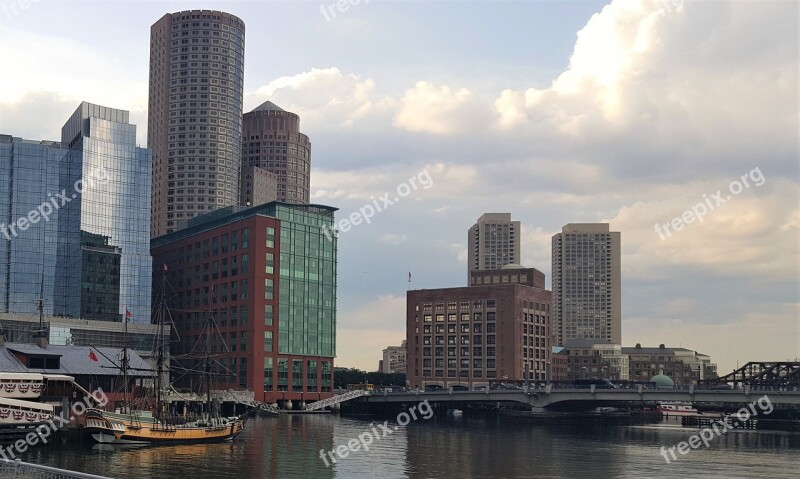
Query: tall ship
column 153, row 426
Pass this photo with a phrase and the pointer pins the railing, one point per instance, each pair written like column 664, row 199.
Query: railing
column 24, row 470
column 336, row 399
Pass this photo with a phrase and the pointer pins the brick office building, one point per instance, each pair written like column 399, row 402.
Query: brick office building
column 475, row 335
column 267, row 275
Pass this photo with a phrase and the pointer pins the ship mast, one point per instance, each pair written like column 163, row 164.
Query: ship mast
column 207, row 368
column 125, row 360
column 161, row 343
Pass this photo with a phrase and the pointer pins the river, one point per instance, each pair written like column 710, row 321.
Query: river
column 440, row 447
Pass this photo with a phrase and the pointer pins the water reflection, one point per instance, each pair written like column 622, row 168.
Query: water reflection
column 443, row 447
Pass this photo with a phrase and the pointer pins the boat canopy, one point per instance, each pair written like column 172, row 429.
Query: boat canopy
column 21, row 376
column 34, row 406
column 59, row 377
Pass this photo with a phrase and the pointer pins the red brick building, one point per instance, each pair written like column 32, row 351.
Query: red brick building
column 474, row 335
column 267, row 277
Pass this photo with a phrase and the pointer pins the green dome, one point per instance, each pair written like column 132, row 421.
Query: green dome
column 662, row 381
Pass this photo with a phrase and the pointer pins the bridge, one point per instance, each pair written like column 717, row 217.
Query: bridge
column 339, row 398
column 549, row 397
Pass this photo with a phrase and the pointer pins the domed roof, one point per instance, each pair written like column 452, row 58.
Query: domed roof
column 513, row 266
column 662, row 380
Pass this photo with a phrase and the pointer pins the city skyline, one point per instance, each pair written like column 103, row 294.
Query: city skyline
column 645, row 115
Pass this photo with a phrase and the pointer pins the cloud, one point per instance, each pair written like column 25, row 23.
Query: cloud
column 660, row 89
column 393, row 239
column 436, row 109
column 39, row 96
column 326, row 98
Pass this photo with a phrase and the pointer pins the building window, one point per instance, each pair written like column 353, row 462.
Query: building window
column 268, row 374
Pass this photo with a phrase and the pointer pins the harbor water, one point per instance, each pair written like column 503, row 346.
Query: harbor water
column 441, row 447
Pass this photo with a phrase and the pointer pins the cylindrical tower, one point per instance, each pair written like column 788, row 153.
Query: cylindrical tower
column 272, row 141
column 195, row 114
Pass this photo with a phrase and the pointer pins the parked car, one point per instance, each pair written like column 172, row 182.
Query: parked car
column 480, row 388
column 433, row 388
column 460, row 387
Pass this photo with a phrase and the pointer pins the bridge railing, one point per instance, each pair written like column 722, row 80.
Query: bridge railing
column 26, row 470
column 336, row 399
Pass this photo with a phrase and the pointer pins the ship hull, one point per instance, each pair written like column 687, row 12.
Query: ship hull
column 106, row 430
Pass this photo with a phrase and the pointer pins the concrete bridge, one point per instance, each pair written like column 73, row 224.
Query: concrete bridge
column 551, row 398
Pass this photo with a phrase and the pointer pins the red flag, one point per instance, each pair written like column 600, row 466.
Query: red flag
column 128, row 314
column 92, row 356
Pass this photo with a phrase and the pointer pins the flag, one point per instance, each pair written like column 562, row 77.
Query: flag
column 92, row 356
column 128, row 314
column 409, row 276
column 165, row 266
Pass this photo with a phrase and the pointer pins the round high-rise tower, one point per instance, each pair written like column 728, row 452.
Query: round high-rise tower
column 195, row 114
column 273, row 142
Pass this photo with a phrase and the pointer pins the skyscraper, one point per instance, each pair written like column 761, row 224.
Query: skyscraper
column 586, row 283
column 493, row 242
column 272, row 141
column 195, row 114
column 77, row 228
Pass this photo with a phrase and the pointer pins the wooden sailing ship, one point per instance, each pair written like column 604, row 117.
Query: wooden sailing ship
column 147, row 427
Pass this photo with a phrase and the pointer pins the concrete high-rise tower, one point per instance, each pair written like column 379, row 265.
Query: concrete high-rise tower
column 586, row 283
column 273, row 142
column 493, row 242
column 194, row 125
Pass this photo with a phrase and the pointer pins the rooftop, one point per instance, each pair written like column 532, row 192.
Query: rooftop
column 74, row 360
column 267, row 106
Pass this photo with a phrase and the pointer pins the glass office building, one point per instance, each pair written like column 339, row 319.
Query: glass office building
column 28, row 181
column 78, row 220
column 308, row 281
column 267, row 276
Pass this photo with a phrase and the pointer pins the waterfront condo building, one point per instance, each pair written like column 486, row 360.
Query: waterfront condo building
column 475, row 335
column 595, row 359
column 273, row 142
column 267, row 276
column 195, row 114
column 683, row 365
column 75, row 229
column 493, row 242
column 586, row 283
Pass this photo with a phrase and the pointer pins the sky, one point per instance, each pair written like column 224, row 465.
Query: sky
column 635, row 112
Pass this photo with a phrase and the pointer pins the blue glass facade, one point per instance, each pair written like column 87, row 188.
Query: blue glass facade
column 29, row 175
column 93, row 249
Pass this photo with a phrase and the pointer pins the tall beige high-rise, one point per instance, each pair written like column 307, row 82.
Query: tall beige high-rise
column 195, row 114
column 273, row 142
column 493, row 242
column 587, row 283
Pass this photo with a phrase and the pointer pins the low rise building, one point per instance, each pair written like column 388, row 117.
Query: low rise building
column 592, row 359
column 683, row 365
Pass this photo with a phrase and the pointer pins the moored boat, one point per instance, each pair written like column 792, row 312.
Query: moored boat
column 676, row 408
column 130, row 426
column 140, row 427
